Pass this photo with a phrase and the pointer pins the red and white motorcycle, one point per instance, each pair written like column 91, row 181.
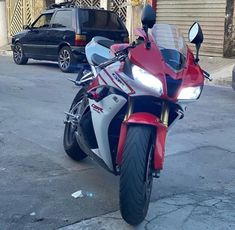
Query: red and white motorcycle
column 128, row 101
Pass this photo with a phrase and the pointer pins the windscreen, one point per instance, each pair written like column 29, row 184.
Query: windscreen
column 99, row 20
column 172, row 45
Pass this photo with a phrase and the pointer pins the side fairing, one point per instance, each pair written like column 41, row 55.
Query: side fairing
column 102, row 113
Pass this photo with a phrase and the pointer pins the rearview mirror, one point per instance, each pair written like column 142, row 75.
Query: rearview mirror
column 148, row 16
column 195, row 34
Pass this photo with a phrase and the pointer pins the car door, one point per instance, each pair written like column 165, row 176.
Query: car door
column 62, row 31
column 35, row 41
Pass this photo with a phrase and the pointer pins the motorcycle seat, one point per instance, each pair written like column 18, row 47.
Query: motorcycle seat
column 103, row 41
column 96, row 59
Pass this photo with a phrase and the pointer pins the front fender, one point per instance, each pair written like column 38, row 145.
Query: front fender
column 145, row 119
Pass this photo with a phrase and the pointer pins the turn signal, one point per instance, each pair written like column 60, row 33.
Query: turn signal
column 80, row 40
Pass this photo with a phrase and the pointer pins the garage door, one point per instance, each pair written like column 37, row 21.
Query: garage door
column 209, row 13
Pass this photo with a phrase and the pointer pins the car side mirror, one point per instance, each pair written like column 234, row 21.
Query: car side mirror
column 148, row 17
column 27, row 27
column 195, row 36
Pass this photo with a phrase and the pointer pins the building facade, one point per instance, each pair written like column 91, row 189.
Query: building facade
column 3, row 23
column 24, row 12
column 216, row 17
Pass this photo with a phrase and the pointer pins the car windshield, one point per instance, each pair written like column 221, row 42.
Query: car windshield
column 172, row 45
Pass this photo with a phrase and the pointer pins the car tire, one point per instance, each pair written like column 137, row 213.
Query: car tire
column 18, row 54
column 233, row 78
column 66, row 60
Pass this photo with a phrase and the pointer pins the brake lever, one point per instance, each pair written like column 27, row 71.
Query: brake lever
column 207, row 75
column 119, row 56
column 125, row 50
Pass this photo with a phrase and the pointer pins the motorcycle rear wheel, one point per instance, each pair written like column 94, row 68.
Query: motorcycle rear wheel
column 136, row 174
column 71, row 146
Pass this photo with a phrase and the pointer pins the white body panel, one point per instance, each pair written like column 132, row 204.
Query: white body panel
column 93, row 47
column 121, row 81
column 102, row 113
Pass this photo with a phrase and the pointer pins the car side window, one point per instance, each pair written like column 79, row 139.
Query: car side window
column 62, row 19
column 99, row 20
column 42, row 22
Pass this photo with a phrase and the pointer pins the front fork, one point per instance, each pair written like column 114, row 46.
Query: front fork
column 143, row 118
column 165, row 113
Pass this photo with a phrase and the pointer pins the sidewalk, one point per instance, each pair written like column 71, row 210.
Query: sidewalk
column 5, row 50
column 184, row 211
column 219, row 68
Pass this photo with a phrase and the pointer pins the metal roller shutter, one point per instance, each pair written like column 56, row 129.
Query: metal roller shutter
column 209, row 13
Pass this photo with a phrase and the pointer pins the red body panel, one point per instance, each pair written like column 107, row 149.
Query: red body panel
column 161, row 131
column 152, row 61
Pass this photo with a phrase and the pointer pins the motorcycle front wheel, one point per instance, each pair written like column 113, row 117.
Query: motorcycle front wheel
column 136, row 174
column 71, row 146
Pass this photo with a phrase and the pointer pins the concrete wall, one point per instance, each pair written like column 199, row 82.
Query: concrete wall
column 3, row 23
column 40, row 5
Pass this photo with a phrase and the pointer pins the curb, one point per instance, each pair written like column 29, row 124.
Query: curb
column 220, row 82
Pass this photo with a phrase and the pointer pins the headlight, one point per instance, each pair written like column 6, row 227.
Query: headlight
column 147, row 79
column 190, row 93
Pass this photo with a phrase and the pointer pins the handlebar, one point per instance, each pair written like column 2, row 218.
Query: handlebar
column 120, row 55
column 126, row 49
column 207, row 75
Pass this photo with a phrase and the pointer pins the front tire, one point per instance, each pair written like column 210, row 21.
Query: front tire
column 71, row 146
column 136, row 174
column 18, row 55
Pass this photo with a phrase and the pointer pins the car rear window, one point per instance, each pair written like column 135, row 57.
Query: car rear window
column 99, row 20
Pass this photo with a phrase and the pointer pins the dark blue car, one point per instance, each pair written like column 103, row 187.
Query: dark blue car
column 61, row 33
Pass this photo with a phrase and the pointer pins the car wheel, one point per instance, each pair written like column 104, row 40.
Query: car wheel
column 233, row 78
column 66, row 59
column 18, row 54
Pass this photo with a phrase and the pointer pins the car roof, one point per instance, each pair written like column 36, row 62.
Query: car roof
column 52, row 10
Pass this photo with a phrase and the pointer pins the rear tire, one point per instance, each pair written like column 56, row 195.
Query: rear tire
column 18, row 55
column 66, row 60
column 71, row 146
column 136, row 175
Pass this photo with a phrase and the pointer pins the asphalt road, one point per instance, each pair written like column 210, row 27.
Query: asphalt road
column 37, row 178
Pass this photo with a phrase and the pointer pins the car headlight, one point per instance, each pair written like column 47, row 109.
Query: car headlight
column 147, row 79
column 190, row 93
